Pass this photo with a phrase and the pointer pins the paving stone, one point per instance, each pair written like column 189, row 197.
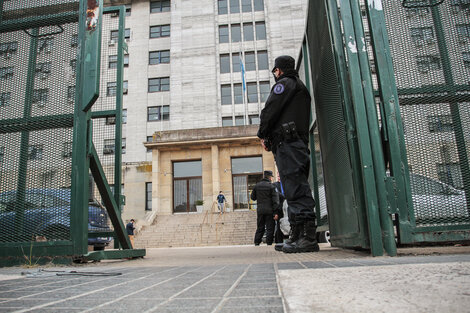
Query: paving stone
column 260, row 302
column 253, row 310
column 193, row 303
column 289, row 266
column 254, row 292
column 319, row 264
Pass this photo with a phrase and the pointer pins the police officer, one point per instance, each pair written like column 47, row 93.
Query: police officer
column 267, row 199
column 284, row 125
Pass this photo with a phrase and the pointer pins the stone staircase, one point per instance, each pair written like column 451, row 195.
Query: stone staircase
column 194, row 230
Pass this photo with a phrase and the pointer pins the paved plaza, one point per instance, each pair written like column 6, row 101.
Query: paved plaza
column 247, row 279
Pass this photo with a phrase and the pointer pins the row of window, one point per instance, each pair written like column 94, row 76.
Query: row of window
column 233, row 32
column 253, row 119
column 237, row 6
column 236, row 90
column 235, row 60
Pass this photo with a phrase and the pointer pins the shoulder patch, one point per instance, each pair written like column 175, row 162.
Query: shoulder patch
column 279, row 89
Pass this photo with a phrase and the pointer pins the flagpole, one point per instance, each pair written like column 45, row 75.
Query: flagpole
column 245, row 99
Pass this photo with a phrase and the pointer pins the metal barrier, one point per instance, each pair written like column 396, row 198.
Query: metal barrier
column 49, row 56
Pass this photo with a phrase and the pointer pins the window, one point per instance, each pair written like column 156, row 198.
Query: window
column 263, row 60
column 40, row 96
column 260, row 31
column 158, row 113
column 259, row 5
column 123, row 146
column 234, row 6
column 246, row 172
column 35, row 152
column 417, row 8
column 159, row 84
column 459, row 5
column 466, row 59
column 73, row 66
column 67, row 150
column 223, row 34
column 159, row 57
column 264, row 91
column 252, row 92
column 224, row 63
column 71, row 93
column 108, row 146
column 246, row 5
column 428, row 63
column 125, row 87
column 114, row 35
column 128, row 9
column 6, row 72
column 45, row 45
column 239, row 120
column 110, row 120
column 236, row 62
column 160, row 6
column 7, row 49
column 149, row 139
column 187, row 185
column 74, row 41
column 250, row 62
column 126, row 60
column 421, row 35
column 227, row 121
column 248, row 32
column 463, row 32
column 238, row 93
column 222, row 5
column 124, row 116
column 254, row 119
column 43, row 70
column 111, row 89
column 159, row 31
column 236, row 33
column 440, row 123
column 148, row 196
column 226, row 94
column 112, row 61
column 5, row 98
column 2, row 154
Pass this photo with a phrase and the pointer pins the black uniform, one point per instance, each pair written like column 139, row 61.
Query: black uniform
column 290, row 101
column 267, row 200
column 278, row 235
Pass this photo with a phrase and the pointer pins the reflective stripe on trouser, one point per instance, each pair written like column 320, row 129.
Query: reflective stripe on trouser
column 293, row 162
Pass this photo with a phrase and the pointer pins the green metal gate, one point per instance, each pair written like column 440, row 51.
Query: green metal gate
column 49, row 73
column 390, row 82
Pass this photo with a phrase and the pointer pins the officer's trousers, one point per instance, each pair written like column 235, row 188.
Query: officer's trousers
column 265, row 220
column 293, row 162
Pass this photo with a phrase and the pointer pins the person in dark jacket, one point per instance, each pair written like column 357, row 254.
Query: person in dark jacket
column 279, row 213
column 283, row 129
column 130, row 227
column 267, row 199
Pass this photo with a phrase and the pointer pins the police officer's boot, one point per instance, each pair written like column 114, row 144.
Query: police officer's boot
column 307, row 241
column 294, row 236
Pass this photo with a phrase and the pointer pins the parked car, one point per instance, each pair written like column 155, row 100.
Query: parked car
column 47, row 214
column 437, row 202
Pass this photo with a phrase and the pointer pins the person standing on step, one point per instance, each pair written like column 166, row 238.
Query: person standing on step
column 221, row 202
column 130, row 227
column 284, row 130
column 267, row 199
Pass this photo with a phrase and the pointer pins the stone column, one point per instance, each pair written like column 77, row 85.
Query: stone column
column 155, row 180
column 215, row 172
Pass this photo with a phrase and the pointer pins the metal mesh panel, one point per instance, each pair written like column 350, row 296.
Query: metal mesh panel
column 37, row 95
column 331, row 119
column 431, row 54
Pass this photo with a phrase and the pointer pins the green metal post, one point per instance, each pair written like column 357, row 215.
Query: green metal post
column 391, row 118
column 23, row 160
column 374, row 133
column 359, row 105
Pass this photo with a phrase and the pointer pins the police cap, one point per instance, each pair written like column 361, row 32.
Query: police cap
column 268, row 174
column 284, row 62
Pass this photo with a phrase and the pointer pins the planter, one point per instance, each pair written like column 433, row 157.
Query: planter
column 199, row 208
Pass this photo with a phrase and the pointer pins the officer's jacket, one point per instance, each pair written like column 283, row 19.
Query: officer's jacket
column 289, row 101
column 266, row 195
